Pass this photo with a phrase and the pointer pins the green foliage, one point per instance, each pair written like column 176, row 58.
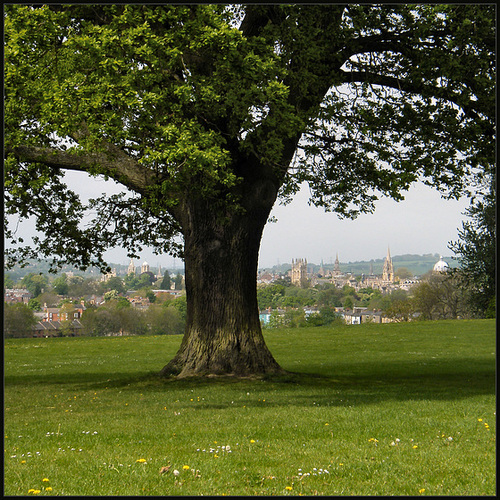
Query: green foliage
column 34, row 305
column 270, row 295
column 78, row 286
column 113, row 283
column 111, row 295
column 441, row 296
column 133, row 282
column 166, row 282
column 329, row 295
column 180, row 303
column 8, row 282
column 165, row 320
column 348, row 302
column 18, row 320
column 49, row 298
column 35, row 283
column 100, row 321
column 60, row 285
column 476, row 250
column 117, row 316
column 178, row 282
column 122, row 303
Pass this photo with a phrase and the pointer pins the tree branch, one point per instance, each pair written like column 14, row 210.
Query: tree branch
column 411, row 87
column 113, row 163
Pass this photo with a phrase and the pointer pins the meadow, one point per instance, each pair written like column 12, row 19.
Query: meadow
column 396, row 409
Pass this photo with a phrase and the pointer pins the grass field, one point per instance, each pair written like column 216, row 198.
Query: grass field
column 397, row 409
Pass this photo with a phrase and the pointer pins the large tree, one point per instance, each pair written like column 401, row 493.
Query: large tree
column 208, row 114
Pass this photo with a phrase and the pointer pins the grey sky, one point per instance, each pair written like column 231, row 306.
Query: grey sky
column 422, row 223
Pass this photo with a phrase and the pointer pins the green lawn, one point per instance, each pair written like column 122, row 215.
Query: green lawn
column 398, row 409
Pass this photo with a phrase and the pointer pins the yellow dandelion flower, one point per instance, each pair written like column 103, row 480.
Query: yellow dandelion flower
column 141, row 460
column 479, row 419
column 289, row 488
column 415, row 446
column 421, row 490
column 48, row 488
column 252, row 440
column 23, row 461
column 45, row 480
column 36, row 492
column 216, row 456
column 185, row 467
column 327, row 423
column 31, row 490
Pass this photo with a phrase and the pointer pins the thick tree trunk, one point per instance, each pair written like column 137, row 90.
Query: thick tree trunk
column 223, row 333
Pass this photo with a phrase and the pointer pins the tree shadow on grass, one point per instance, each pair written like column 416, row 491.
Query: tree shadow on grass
column 343, row 385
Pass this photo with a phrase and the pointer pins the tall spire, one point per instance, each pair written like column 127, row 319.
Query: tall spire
column 388, row 271
column 336, row 267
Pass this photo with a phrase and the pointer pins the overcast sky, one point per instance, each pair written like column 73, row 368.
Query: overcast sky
column 421, row 224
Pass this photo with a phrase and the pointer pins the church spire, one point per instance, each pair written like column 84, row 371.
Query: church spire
column 388, row 271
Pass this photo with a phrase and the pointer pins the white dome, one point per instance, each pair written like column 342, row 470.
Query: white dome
column 440, row 266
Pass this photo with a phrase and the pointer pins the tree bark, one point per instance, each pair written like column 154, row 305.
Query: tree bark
column 223, row 334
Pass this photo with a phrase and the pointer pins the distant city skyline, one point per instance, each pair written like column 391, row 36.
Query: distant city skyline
column 423, row 223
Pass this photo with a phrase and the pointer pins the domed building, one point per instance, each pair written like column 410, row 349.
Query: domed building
column 440, row 266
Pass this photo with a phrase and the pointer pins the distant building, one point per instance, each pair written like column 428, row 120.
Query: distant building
column 106, row 277
column 440, row 266
column 388, row 270
column 299, row 272
column 131, row 267
column 13, row 295
column 145, row 267
column 336, row 266
column 158, row 275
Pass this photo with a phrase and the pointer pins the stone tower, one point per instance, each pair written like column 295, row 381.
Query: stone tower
column 336, row 266
column 131, row 267
column 299, row 272
column 388, row 271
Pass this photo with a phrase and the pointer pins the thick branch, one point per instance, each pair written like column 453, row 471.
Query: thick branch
column 116, row 164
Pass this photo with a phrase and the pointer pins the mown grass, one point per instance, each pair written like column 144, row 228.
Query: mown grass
column 404, row 409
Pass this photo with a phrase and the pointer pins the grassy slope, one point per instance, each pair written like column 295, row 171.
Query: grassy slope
column 81, row 412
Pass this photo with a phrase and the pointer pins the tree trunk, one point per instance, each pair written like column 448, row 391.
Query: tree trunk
column 223, row 332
